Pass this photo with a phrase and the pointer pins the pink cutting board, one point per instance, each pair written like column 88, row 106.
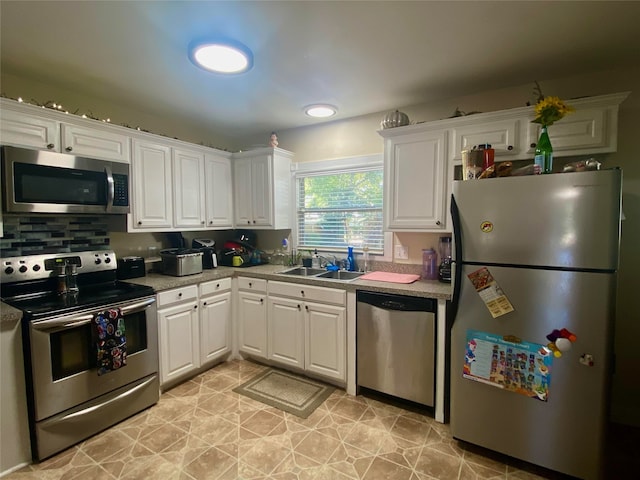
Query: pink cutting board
column 390, row 277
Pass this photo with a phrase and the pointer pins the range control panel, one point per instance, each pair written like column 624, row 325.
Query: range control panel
column 36, row 267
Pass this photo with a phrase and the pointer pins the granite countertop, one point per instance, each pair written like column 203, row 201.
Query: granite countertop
column 160, row 282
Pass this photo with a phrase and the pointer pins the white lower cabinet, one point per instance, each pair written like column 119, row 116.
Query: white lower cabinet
column 194, row 328
column 215, row 320
column 285, row 331
column 252, row 316
column 178, row 333
column 307, row 328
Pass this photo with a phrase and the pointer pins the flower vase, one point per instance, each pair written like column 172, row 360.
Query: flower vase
column 544, row 152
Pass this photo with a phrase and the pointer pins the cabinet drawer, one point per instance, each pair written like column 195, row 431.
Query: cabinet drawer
column 253, row 284
column 308, row 292
column 215, row 286
column 177, row 295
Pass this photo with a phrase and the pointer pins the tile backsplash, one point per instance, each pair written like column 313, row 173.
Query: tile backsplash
column 39, row 234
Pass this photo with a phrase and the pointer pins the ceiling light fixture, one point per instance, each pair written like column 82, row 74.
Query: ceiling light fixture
column 320, row 110
column 221, row 56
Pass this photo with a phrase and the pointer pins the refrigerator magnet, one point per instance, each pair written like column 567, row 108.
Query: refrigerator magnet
column 490, row 292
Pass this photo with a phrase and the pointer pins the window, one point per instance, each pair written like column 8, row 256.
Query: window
column 339, row 203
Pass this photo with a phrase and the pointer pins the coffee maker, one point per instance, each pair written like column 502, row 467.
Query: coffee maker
column 208, row 249
column 444, row 270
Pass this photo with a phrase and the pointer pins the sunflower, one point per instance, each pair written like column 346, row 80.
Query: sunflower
column 549, row 110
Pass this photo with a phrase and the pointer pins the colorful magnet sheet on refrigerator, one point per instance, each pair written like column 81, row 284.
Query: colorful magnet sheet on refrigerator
column 490, row 292
column 523, row 368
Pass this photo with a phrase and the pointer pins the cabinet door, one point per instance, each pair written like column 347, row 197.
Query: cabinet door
column 325, row 346
column 218, row 194
column 178, row 337
column 24, row 130
column 95, row 143
column 152, row 191
column 188, row 188
column 261, row 182
column 414, row 182
column 285, row 331
column 252, row 318
column 243, row 192
column 582, row 132
column 503, row 135
column 215, row 327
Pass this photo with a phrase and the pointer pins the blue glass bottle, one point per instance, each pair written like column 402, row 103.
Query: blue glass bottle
column 351, row 262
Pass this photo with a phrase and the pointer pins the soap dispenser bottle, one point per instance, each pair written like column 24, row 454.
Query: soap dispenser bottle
column 351, row 262
column 315, row 260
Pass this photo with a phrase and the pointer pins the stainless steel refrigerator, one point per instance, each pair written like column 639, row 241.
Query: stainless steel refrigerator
column 533, row 313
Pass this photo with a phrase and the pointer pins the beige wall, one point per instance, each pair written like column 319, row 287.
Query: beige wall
column 357, row 136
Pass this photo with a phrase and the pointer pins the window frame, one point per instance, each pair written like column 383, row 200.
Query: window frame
column 331, row 167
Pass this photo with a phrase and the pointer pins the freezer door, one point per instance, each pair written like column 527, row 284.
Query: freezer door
column 566, row 432
column 569, row 220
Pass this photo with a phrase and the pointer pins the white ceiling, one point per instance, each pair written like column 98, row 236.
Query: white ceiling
column 361, row 56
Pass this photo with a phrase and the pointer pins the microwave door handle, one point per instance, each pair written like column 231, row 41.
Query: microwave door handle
column 137, row 307
column 63, row 323
column 110, row 188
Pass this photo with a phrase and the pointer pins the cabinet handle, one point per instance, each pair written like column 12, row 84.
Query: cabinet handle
column 195, row 307
column 302, row 292
column 298, row 306
column 217, row 285
column 204, row 303
column 306, row 307
column 202, row 222
column 180, row 294
column 50, row 146
column 68, row 149
column 210, row 222
column 250, row 285
column 249, row 222
column 533, row 145
column 437, row 222
column 254, row 221
column 510, row 147
column 139, row 223
column 262, row 300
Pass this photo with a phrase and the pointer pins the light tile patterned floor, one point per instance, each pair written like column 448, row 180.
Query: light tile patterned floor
column 202, row 430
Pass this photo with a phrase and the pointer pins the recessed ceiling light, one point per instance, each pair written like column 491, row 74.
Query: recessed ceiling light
column 225, row 56
column 320, row 110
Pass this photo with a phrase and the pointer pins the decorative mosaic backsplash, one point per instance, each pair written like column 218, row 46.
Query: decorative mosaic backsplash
column 34, row 235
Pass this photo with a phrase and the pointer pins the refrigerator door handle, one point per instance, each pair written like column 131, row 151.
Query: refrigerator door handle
column 457, row 237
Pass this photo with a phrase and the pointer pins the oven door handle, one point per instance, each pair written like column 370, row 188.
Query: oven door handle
column 138, row 307
column 111, row 193
column 64, row 323
column 79, row 320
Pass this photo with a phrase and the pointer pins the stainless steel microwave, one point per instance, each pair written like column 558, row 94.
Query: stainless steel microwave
column 36, row 181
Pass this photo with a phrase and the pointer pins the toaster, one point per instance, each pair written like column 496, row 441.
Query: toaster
column 181, row 261
column 130, row 267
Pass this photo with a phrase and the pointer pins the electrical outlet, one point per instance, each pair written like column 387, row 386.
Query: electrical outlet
column 402, row 252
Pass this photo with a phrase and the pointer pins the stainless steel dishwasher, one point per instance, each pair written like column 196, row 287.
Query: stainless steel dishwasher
column 396, row 345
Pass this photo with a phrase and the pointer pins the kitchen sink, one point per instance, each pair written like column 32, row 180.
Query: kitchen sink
column 303, row 271
column 340, row 275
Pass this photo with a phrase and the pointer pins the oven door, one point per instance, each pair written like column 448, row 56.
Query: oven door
column 63, row 356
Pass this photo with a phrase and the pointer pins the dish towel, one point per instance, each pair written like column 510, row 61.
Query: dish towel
column 111, row 342
column 390, row 277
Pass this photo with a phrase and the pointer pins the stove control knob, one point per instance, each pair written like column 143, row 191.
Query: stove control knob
column 23, row 269
column 107, row 260
column 98, row 261
column 36, row 268
column 8, row 270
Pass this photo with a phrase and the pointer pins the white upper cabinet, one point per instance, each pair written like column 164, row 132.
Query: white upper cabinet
column 262, row 188
column 419, row 160
column 151, row 206
column 32, row 127
column 188, row 188
column 414, row 180
column 218, row 191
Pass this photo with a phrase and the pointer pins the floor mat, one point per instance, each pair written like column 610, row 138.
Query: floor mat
column 291, row 393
